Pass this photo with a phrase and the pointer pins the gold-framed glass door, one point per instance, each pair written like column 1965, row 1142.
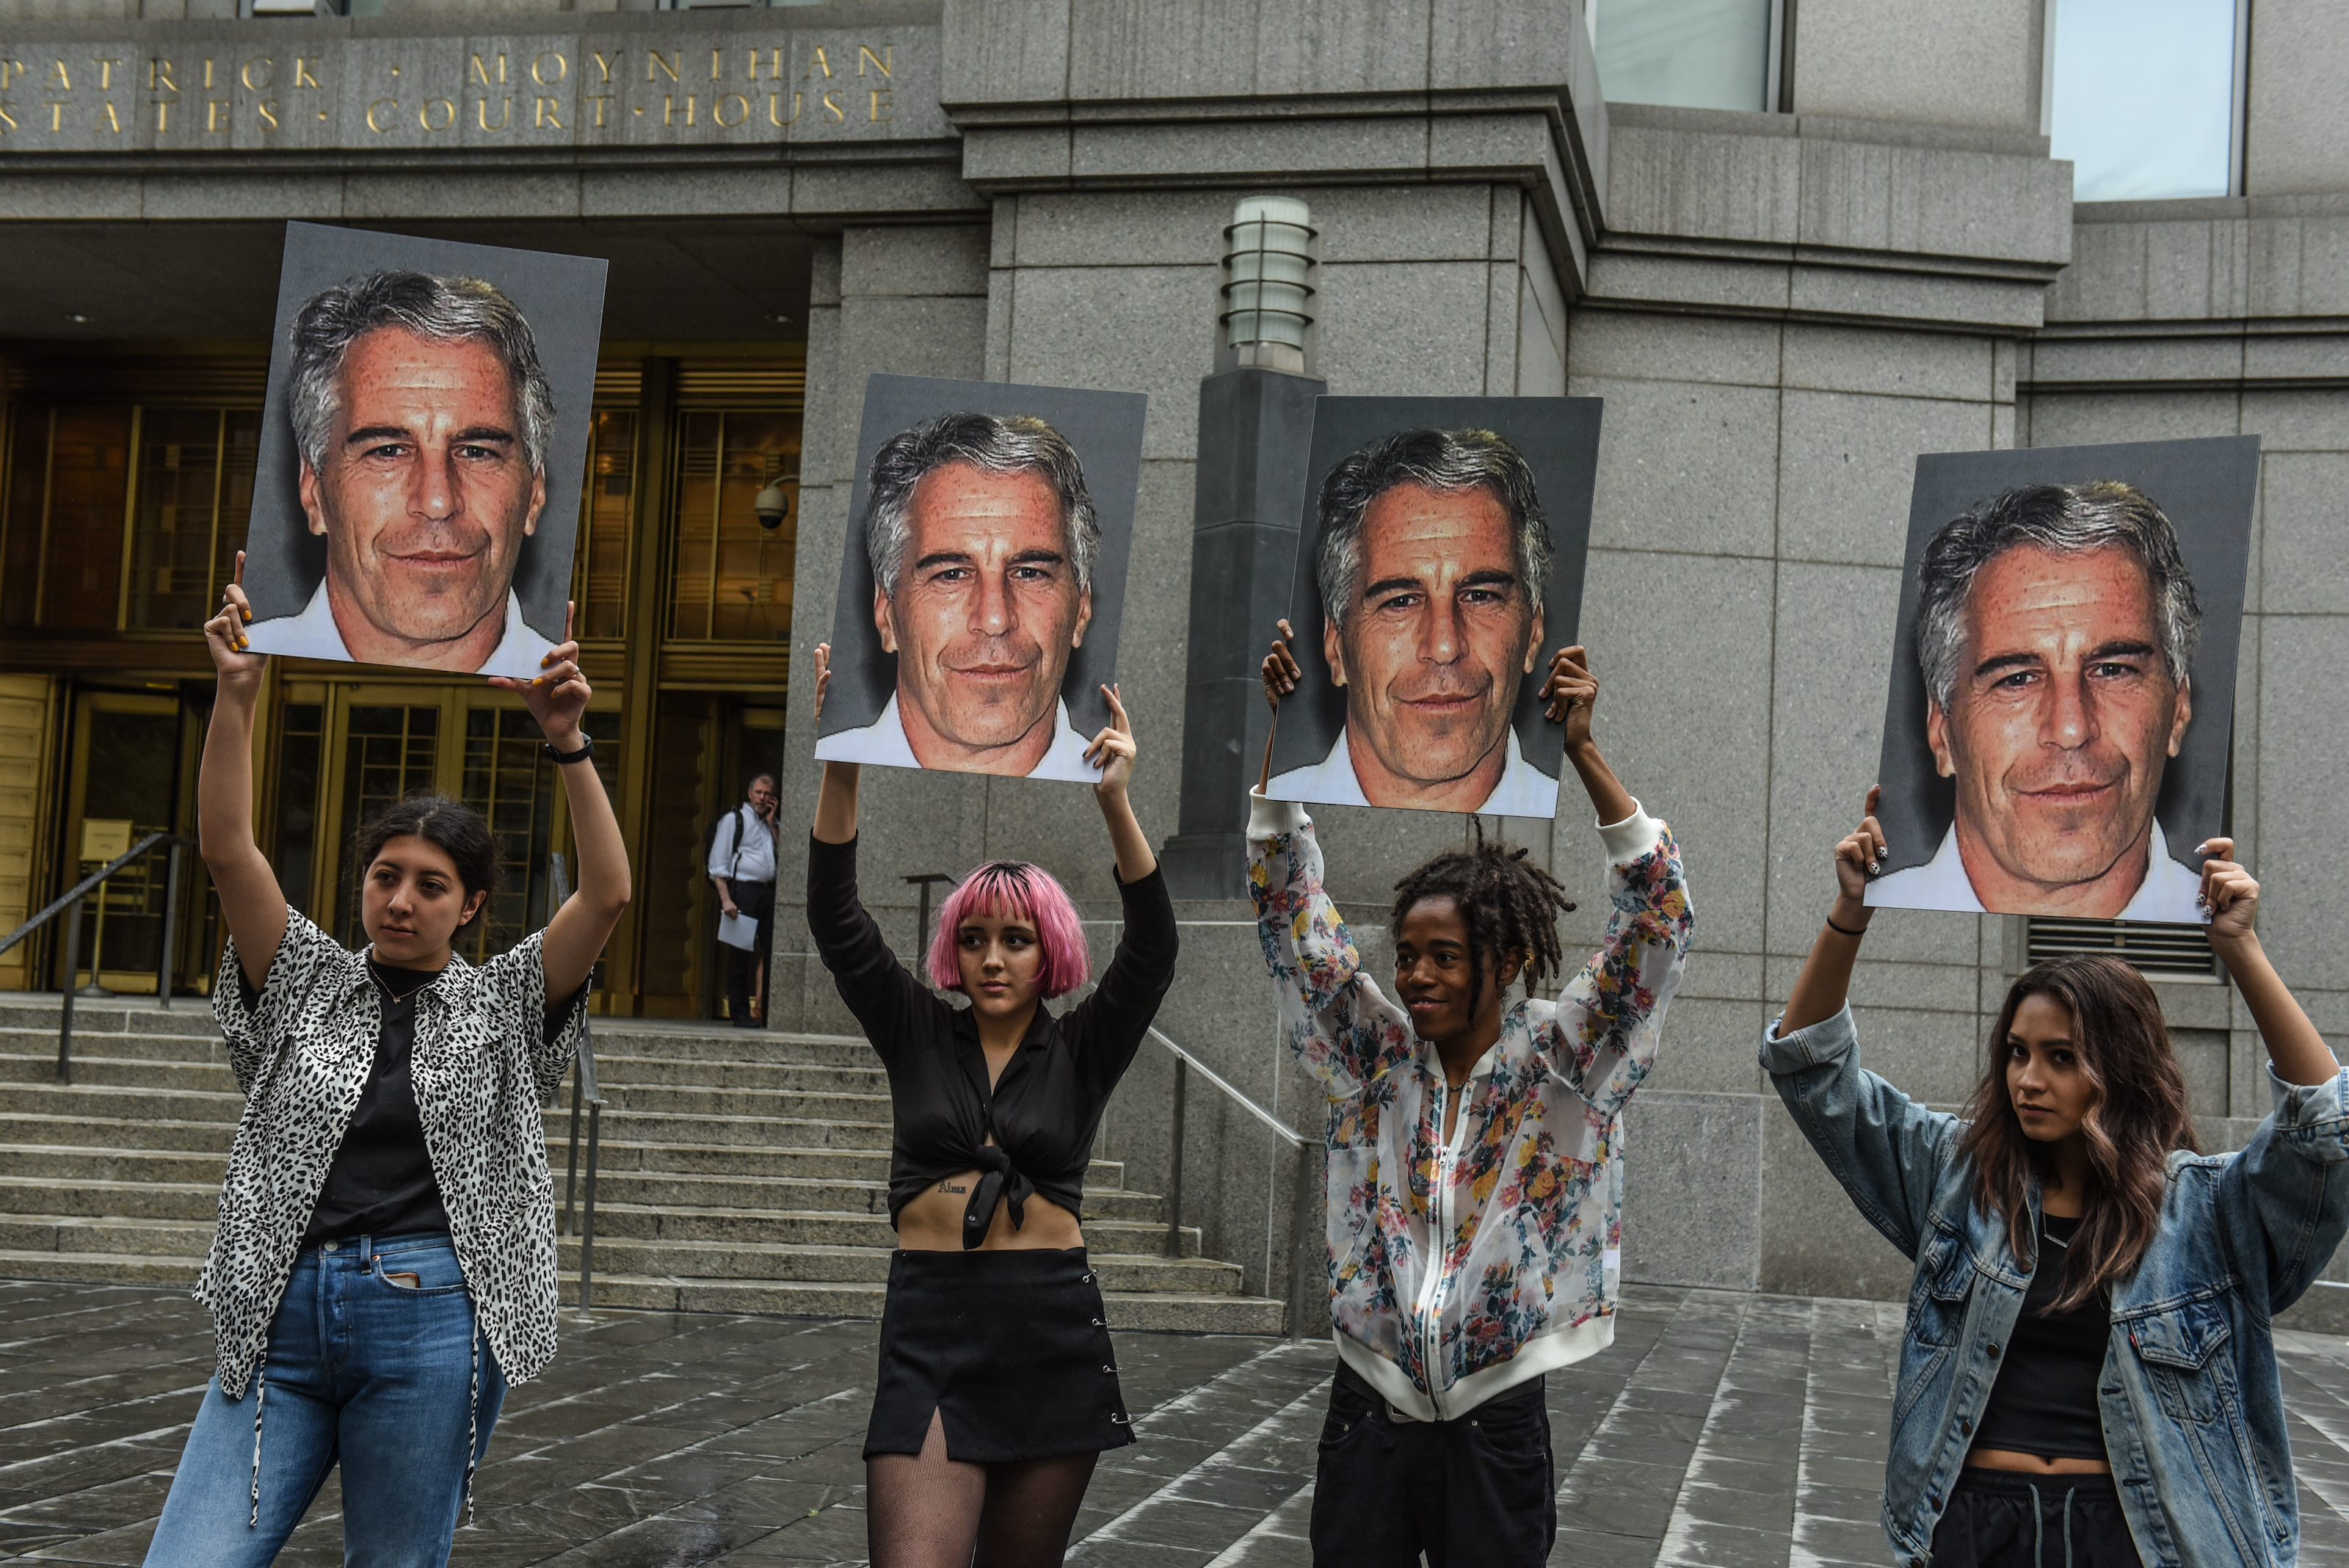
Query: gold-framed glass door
column 130, row 754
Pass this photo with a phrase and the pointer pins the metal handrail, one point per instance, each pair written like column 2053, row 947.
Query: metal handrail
column 68, row 904
column 585, row 1090
column 1307, row 1243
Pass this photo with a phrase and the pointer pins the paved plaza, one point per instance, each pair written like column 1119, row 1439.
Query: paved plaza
column 1723, row 1430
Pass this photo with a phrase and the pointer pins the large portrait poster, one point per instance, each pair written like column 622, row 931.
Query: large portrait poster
column 1439, row 568
column 422, row 442
column 2056, row 737
column 983, row 579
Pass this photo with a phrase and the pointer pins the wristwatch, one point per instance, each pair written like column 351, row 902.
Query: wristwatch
column 587, row 750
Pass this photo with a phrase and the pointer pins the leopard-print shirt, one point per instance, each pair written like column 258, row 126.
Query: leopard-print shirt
column 486, row 1059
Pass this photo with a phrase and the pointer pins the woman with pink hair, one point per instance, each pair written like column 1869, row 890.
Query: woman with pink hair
column 997, row 1387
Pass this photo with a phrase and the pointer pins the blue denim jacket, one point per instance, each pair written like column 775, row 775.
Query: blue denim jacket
column 2192, row 1404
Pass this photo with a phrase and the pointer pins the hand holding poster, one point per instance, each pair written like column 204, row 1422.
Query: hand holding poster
column 422, row 440
column 1439, row 567
column 983, row 576
column 2057, row 733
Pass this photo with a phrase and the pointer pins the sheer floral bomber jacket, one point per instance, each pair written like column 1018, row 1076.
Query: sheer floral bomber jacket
column 1460, row 1269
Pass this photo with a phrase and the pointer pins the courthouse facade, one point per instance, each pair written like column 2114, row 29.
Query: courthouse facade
column 1841, row 240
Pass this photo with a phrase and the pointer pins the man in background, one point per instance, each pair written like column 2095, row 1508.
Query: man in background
column 1432, row 557
column 2055, row 630
column 422, row 416
column 982, row 539
column 742, row 869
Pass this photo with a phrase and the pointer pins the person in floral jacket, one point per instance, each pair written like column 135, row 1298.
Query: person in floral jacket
column 1475, row 1155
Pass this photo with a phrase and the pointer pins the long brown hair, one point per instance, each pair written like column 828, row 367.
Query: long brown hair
column 2136, row 1115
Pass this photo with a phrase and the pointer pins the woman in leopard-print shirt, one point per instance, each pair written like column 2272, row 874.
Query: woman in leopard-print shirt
column 385, row 1263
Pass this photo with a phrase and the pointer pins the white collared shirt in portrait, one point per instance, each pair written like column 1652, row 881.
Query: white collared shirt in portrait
column 313, row 634
column 884, row 742
column 1523, row 790
column 2168, row 892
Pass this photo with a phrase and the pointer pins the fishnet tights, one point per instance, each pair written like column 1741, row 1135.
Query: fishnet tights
column 931, row 1512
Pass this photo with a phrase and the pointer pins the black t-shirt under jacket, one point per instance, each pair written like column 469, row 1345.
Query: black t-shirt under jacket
column 1044, row 1110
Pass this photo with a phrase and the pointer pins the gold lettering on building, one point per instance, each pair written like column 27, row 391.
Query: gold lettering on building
column 652, row 58
column 112, row 123
column 105, row 72
column 882, row 111
column 302, row 77
column 57, row 114
column 9, row 71
column 215, row 113
column 717, row 112
column 208, row 73
column 162, row 114
column 668, row 108
column 831, row 107
column 817, row 61
column 774, row 64
column 774, row 110
column 881, row 61
column 60, row 80
column 268, row 73
column 481, row 112
column 544, row 115
column 599, row 103
column 382, row 103
column 562, row 68
column 267, row 109
column 424, row 113
column 717, row 63
column 481, row 73
column 606, row 65
column 7, row 120
column 158, row 76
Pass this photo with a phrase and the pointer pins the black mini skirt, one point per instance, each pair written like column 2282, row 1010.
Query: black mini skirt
column 1010, row 1349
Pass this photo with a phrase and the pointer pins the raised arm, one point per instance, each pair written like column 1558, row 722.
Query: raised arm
column 1609, row 1020
column 2296, row 1051
column 836, row 801
column 1885, row 1150
column 252, row 902
column 575, row 936
column 1112, row 750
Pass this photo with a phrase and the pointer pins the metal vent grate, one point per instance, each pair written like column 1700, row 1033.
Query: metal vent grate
column 2176, row 952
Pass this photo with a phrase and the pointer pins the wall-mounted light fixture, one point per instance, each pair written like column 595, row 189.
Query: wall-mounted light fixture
column 1269, row 265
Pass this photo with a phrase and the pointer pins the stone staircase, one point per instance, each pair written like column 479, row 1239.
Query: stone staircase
column 737, row 1172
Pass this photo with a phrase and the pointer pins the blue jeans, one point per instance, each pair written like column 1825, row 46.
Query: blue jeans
column 373, row 1372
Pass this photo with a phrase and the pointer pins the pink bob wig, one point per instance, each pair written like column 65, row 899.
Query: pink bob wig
column 1014, row 888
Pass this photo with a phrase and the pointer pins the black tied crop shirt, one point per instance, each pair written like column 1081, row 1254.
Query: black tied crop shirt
column 1044, row 1110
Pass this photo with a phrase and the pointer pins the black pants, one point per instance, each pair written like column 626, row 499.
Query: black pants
column 756, row 900
column 1474, row 1492
column 2001, row 1518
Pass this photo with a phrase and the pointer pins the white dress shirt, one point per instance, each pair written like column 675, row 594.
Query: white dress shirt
column 745, row 852
column 313, row 634
column 884, row 742
column 2168, row 892
column 1523, row 790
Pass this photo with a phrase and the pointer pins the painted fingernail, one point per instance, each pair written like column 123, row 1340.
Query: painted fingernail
column 2203, row 847
column 247, row 614
column 1871, row 868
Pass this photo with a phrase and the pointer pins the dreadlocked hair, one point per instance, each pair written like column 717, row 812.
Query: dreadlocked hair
column 1508, row 903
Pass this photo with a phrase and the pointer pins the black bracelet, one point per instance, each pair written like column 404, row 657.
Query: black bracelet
column 587, row 750
column 1847, row 930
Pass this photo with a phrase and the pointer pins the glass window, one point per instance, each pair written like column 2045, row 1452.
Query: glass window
column 189, row 513
column 1689, row 53
column 301, row 752
column 388, row 752
column 2142, row 98
column 69, row 475
column 733, row 581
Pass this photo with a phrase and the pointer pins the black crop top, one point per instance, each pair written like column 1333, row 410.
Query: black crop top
column 2045, row 1401
column 1044, row 1110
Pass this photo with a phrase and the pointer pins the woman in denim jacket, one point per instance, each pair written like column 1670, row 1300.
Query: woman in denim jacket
column 2121, row 1404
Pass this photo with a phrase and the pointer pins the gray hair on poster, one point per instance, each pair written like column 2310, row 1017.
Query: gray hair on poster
column 1011, row 444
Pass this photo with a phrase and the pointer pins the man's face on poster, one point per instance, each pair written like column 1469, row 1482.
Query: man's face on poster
column 2062, row 716
column 427, row 492
column 1440, row 631
column 984, row 613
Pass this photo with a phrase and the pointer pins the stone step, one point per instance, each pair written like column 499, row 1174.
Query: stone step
column 107, row 1268
column 626, row 1037
column 1130, row 1311
column 668, row 1190
column 806, row 1263
column 18, row 1128
column 829, row 1227
column 120, row 1102
column 623, row 1154
column 43, row 1044
column 72, row 1234
column 782, row 1073
column 759, row 1131
column 778, row 1103
column 22, row 1195
column 75, row 1165
column 186, row 1015
column 102, row 1071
